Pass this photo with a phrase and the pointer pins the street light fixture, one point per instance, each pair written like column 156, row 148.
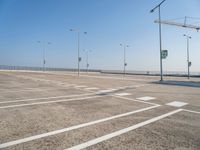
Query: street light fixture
column 87, row 57
column 79, row 58
column 160, row 36
column 44, row 53
column 188, row 58
column 125, row 64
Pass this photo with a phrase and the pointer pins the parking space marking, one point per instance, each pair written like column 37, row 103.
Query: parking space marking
column 25, row 90
column 81, row 86
column 123, row 94
column 44, row 98
column 31, row 138
column 92, row 88
column 192, row 111
column 107, row 91
column 146, row 98
column 177, row 104
column 145, row 102
column 120, row 132
column 50, row 102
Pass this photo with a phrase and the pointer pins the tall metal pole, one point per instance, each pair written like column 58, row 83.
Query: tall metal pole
column 43, row 44
column 160, row 36
column 188, row 55
column 188, row 61
column 78, row 53
column 44, row 61
column 124, row 60
column 124, row 49
column 79, row 58
column 87, row 65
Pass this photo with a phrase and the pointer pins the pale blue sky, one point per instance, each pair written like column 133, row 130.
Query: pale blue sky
column 108, row 23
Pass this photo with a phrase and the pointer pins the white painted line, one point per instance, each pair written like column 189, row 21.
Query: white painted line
column 107, row 91
column 44, row 98
column 192, row 111
column 123, row 94
column 35, row 137
column 177, row 104
column 49, row 102
column 146, row 98
column 120, row 132
column 81, row 86
column 145, row 102
column 25, row 90
column 92, row 88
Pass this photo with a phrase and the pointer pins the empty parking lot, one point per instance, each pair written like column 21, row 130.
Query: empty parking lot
column 59, row 110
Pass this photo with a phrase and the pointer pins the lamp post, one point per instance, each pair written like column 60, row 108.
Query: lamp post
column 87, row 59
column 78, row 45
column 188, row 56
column 44, row 53
column 160, row 36
column 125, row 64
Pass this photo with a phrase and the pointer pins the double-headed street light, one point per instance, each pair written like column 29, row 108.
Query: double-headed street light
column 160, row 36
column 188, row 56
column 125, row 64
column 87, row 57
column 44, row 52
column 79, row 58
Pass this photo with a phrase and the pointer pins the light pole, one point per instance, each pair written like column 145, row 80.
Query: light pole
column 125, row 64
column 78, row 42
column 160, row 37
column 188, row 56
column 87, row 57
column 44, row 53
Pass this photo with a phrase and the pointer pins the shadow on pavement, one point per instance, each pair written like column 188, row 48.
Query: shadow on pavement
column 179, row 83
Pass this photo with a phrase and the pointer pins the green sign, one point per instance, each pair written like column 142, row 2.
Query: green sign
column 164, row 54
column 190, row 64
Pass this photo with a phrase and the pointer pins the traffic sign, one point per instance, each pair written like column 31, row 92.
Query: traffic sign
column 190, row 64
column 164, row 54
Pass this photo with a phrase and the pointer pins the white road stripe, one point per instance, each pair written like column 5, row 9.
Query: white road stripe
column 31, row 138
column 49, row 102
column 146, row 98
column 191, row 111
column 135, row 100
column 107, row 91
column 24, row 90
column 92, row 88
column 117, row 133
column 177, row 104
column 123, row 94
column 44, row 98
column 81, row 86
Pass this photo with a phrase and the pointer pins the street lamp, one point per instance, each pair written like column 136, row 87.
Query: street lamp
column 160, row 36
column 125, row 64
column 79, row 58
column 87, row 57
column 44, row 53
column 188, row 58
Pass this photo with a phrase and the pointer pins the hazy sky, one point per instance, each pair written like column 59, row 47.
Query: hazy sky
column 108, row 23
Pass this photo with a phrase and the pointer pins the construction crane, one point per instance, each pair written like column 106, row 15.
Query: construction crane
column 184, row 24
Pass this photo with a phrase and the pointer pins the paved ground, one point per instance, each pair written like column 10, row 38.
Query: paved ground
column 59, row 110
